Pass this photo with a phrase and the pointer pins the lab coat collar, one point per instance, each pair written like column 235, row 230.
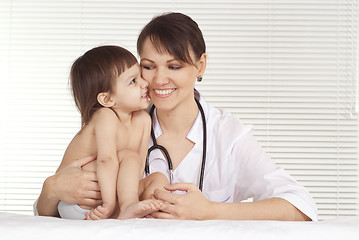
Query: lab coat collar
column 195, row 134
column 156, row 125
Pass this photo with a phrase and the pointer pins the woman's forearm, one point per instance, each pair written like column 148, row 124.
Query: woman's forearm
column 47, row 201
column 269, row 209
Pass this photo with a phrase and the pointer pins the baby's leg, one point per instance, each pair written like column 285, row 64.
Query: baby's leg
column 149, row 184
column 128, row 178
column 147, row 205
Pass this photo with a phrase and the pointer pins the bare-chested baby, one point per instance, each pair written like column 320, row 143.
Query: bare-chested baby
column 111, row 97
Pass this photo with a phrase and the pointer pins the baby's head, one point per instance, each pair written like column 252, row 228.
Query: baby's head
column 95, row 72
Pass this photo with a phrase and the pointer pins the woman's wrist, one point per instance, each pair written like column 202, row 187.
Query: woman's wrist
column 226, row 211
column 211, row 211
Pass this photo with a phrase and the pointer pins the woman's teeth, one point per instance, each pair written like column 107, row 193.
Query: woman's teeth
column 164, row 92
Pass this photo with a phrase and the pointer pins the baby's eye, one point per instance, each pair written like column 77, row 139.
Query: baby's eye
column 133, row 81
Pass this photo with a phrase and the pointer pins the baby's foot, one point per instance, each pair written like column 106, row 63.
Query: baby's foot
column 100, row 212
column 140, row 209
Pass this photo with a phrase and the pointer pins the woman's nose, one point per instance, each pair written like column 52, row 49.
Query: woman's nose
column 160, row 77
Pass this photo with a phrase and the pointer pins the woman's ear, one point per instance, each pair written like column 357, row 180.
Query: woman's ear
column 105, row 99
column 201, row 65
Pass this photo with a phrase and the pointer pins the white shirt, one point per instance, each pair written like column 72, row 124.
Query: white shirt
column 237, row 168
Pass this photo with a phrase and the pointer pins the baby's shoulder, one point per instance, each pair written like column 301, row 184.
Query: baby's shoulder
column 141, row 120
column 141, row 116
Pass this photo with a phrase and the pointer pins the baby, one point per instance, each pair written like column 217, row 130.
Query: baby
column 110, row 94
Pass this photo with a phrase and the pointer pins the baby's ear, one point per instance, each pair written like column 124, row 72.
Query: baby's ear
column 105, row 99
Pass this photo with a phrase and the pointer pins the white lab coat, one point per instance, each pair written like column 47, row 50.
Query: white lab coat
column 237, row 168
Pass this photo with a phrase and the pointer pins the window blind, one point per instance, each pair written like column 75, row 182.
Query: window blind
column 288, row 67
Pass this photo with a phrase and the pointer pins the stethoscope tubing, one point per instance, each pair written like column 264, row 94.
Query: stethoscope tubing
column 167, row 155
column 204, row 150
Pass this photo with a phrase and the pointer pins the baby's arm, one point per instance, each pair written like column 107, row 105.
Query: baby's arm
column 143, row 148
column 107, row 162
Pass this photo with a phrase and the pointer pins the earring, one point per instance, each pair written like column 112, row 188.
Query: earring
column 199, row 78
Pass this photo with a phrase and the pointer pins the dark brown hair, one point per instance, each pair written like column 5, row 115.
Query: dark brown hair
column 95, row 72
column 176, row 34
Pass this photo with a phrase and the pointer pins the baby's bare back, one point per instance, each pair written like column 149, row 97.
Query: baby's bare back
column 84, row 143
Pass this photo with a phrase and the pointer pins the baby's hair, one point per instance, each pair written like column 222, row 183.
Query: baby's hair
column 95, row 72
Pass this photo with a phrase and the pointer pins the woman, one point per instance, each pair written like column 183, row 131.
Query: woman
column 172, row 52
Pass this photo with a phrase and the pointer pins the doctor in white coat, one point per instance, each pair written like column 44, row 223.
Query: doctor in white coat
column 172, row 51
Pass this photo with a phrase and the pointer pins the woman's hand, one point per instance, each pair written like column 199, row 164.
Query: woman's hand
column 77, row 184
column 70, row 184
column 192, row 205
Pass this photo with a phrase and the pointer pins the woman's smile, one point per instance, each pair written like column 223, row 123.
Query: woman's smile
column 163, row 93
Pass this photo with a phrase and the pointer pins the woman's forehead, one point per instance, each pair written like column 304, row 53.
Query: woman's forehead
column 152, row 48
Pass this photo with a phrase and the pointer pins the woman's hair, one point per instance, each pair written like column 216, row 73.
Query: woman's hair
column 96, row 72
column 176, row 34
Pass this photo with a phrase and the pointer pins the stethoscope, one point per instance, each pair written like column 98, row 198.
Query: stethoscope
column 167, row 155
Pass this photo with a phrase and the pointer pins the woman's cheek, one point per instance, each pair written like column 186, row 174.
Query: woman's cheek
column 146, row 76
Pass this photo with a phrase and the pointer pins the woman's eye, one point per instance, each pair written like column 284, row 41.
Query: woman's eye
column 174, row 67
column 147, row 67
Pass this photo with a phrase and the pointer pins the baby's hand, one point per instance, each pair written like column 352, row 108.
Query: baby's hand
column 103, row 211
